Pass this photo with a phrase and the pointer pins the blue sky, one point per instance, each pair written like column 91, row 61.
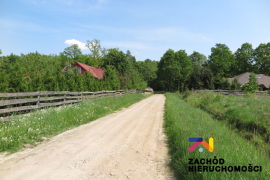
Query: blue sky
column 148, row 28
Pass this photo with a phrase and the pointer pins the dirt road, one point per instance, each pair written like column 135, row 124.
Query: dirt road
column 128, row 144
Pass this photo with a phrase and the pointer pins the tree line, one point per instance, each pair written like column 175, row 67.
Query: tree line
column 180, row 71
column 39, row 72
column 176, row 70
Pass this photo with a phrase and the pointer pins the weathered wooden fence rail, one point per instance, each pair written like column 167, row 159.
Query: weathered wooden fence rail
column 234, row 92
column 36, row 100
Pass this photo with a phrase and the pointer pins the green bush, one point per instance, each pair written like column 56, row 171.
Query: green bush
column 251, row 86
column 186, row 94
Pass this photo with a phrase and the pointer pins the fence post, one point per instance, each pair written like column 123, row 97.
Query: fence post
column 38, row 99
column 65, row 95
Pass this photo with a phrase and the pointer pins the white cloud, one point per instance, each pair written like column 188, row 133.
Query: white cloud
column 79, row 43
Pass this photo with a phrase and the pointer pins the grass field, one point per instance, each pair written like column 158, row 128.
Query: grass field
column 183, row 121
column 46, row 123
column 248, row 116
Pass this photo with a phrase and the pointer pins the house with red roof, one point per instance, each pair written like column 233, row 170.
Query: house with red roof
column 82, row 68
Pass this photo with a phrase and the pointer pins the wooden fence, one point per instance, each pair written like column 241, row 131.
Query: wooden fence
column 235, row 92
column 14, row 102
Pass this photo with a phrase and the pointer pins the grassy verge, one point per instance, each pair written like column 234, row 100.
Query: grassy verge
column 248, row 116
column 45, row 123
column 183, row 121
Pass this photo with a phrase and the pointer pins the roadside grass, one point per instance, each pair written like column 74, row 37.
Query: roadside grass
column 183, row 121
column 45, row 123
column 249, row 116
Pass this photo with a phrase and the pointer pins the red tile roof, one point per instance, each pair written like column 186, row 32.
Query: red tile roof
column 96, row 72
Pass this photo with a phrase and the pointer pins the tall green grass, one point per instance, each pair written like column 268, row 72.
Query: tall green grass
column 250, row 116
column 183, row 121
column 45, row 123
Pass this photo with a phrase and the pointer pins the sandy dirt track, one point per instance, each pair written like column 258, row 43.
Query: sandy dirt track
column 128, row 144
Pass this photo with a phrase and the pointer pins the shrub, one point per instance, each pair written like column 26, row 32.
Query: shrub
column 251, row 86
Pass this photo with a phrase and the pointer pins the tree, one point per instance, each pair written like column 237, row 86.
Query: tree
column 148, row 69
column 201, row 78
column 1, row 58
column 126, row 69
column 185, row 65
column 222, row 64
column 89, row 60
column 165, row 73
column 118, row 59
column 111, row 79
column 235, row 85
column 244, row 58
column 130, row 58
column 89, row 81
column 97, row 52
column 252, row 85
column 197, row 58
column 225, row 84
column 262, row 59
column 68, row 71
column 221, row 61
column 72, row 51
column 4, row 80
column 174, row 69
